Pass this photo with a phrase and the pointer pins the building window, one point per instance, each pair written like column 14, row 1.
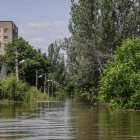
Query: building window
column 0, row 52
column 6, row 37
column 0, row 30
column 5, row 45
column 4, row 52
column 0, row 45
column 5, row 30
column 0, row 37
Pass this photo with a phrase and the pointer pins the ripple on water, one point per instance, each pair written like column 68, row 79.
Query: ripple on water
column 66, row 120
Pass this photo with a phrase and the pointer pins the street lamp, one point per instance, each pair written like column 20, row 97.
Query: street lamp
column 17, row 74
column 22, row 61
column 40, row 76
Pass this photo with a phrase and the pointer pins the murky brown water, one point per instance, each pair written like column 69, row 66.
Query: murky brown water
column 66, row 120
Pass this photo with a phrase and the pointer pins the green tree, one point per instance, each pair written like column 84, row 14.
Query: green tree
column 97, row 27
column 34, row 59
column 57, row 69
column 120, row 82
column 118, row 20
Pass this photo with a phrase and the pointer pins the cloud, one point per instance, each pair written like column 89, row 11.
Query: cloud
column 61, row 24
column 39, row 39
column 38, row 25
column 56, row 36
column 43, row 34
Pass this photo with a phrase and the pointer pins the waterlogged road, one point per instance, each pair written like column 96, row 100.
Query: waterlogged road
column 66, row 120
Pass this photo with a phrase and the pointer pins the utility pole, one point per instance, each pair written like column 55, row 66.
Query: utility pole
column 45, row 84
column 52, row 88
column 48, row 87
column 16, row 63
column 36, row 78
column 111, row 56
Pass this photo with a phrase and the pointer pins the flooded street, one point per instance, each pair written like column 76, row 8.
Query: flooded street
column 66, row 119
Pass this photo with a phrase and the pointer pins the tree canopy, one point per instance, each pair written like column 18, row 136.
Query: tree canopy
column 120, row 82
column 34, row 59
column 97, row 27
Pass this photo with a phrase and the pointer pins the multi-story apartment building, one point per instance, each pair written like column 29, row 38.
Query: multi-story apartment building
column 8, row 31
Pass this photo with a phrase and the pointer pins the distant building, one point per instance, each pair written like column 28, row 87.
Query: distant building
column 8, row 31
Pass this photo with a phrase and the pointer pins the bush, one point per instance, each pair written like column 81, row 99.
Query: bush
column 120, row 83
column 82, row 94
column 70, row 86
column 60, row 88
column 14, row 90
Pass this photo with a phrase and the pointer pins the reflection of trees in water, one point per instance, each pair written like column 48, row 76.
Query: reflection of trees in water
column 74, row 119
column 85, row 121
column 13, row 110
column 40, row 119
column 119, row 124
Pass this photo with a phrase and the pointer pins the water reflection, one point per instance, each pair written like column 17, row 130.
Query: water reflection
column 41, row 120
column 66, row 119
column 120, row 124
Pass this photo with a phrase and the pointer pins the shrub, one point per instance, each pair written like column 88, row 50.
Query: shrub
column 82, row 94
column 120, row 82
column 14, row 90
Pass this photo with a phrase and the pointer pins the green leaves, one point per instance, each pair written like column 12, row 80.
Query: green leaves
column 14, row 90
column 34, row 59
column 121, row 78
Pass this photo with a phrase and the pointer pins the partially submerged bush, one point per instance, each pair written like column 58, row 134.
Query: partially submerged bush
column 120, row 83
column 85, row 94
column 14, row 90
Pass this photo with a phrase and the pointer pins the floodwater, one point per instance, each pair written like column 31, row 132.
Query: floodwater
column 67, row 120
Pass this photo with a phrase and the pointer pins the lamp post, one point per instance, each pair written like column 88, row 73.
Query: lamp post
column 45, row 83
column 16, row 60
column 16, row 64
column 48, row 86
column 52, row 86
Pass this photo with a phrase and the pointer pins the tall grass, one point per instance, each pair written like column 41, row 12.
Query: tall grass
column 13, row 90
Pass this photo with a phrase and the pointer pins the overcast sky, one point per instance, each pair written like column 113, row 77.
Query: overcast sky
column 40, row 22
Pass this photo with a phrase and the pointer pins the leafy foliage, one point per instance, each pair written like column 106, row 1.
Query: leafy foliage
column 14, row 90
column 85, row 94
column 97, row 27
column 57, row 69
column 120, row 82
column 34, row 59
